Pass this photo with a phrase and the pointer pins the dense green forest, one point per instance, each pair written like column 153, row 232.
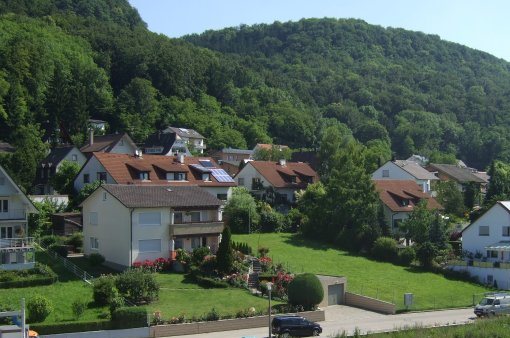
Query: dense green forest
column 64, row 61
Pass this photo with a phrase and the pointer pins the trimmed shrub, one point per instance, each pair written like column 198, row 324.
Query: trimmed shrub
column 96, row 259
column 75, row 240
column 208, row 282
column 385, row 249
column 78, row 307
column 426, row 253
column 198, row 255
column 49, row 240
column 406, row 256
column 129, row 317
column 104, row 290
column 61, row 250
column 69, row 327
column 116, row 303
column 38, row 309
column 305, row 290
column 272, row 221
column 137, row 285
column 263, row 251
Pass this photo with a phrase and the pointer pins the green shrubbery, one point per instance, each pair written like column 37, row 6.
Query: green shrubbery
column 60, row 249
column 104, row 290
column 40, row 275
column 137, row 285
column 242, row 247
column 406, row 256
column 38, row 307
column 305, row 290
column 385, row 249
column 129, row 317
column 96, row 259
column 75, row 240
column 78, row 307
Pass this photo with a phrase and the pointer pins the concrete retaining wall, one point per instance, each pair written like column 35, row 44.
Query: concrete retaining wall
column 142, row 332
column 223, row 325
column 368, row 303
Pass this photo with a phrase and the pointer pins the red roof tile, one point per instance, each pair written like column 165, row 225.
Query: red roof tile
column 393, row 193
column 120, row 167
column 280, row 176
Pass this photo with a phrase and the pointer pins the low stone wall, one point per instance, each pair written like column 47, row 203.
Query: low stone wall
column 368, row 303
column 142, row 332
column 223, row 325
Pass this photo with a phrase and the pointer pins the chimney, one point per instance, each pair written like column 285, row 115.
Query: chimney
column 180, row 158
column 91, row 136
column 283, row 162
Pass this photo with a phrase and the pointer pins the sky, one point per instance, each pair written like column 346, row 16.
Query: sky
column 479, row 24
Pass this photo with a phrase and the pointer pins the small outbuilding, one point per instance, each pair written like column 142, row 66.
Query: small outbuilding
column 334, row 290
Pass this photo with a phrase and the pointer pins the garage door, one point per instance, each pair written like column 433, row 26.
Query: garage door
column 335, row 294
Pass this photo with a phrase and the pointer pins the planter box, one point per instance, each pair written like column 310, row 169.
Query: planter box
column 224, row 325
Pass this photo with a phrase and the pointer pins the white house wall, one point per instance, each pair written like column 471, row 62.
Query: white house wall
column 248, row 173
column 501, row 276
column 215, row 191
column 394, row 171
column 80, row 158
column 112, row 230
column 391, row 216
column 147, row 232
column 92, row 167
column 495, row 218
column 124, row 147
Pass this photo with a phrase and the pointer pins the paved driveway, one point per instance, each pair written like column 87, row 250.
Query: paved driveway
column 341, row 318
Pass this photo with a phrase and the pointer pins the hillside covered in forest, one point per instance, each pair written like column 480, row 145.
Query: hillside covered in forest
column 63, row 62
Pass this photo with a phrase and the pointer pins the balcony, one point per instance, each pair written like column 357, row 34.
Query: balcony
column 480, row 264
column 17, row 244
column 196, row 228
column 13, row 214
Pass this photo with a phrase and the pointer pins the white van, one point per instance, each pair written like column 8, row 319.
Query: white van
column 493, row 304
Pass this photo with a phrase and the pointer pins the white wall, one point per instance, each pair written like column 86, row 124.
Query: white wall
column 17, row 203
column 501, row 276
column 124, row 147
column 395, row 173
column 92, row 167
column 248, row 173
column 496, row 217
column 391, row 216
column 80, row 158
column 113, row 228
column 218, row 190
column 147, row 232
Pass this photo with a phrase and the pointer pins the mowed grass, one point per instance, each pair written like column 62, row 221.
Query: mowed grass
column 178, row 296
column 384, row 281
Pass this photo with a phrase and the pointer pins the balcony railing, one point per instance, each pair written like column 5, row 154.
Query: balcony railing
column 196, row 228
column 13, row 214
column 480, row 264
column 25, row 242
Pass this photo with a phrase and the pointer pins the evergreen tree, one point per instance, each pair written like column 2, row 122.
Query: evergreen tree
column 438, row 234
column 225, row 254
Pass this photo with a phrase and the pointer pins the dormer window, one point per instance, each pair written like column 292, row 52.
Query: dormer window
column 405, row 202
column 176, row 176
column 206, row 176
column 293, row 179
column 144, row 175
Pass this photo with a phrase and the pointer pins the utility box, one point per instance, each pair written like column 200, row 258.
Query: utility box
column 408, row 300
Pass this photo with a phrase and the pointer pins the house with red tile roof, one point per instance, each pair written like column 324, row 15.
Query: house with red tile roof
column 146, row 170
column 399, row 198
column 405, row 170
column 285, row 178
column 131, row 223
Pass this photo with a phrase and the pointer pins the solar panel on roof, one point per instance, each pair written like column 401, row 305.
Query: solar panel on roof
column 221, row 175
column 206, row 163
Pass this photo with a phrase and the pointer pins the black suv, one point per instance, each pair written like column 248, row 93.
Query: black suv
column 290, row 326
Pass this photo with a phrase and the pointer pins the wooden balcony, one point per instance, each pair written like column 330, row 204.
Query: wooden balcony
column 196, row 228
column 13, row 214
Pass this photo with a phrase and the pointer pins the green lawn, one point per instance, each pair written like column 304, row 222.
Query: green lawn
column 368, row 277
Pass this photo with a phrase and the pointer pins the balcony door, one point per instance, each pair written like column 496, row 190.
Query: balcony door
column 7, row 232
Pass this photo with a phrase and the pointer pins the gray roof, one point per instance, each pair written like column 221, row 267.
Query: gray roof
column 415, row 170
column 57, row 155
column 236, row 151
column 461, row 175
column 135, row 196
column 6, row 148
column 183, row 132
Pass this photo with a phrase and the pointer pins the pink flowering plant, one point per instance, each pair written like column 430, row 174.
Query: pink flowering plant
column 265, row 263
column 157, row 265
column 281, row 284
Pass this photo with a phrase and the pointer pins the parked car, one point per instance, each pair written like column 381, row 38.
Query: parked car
column 291, row 326
column 493, row 304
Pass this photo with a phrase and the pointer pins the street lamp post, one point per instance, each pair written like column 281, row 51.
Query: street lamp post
column 269, row 286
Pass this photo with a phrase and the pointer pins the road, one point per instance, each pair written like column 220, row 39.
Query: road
column 347, row 319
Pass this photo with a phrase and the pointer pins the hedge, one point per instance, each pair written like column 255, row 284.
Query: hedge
column 69, row 327
column 28, row 282
column 129, row 317
column 207, row 282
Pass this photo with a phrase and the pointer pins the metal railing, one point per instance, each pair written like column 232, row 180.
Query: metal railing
column 16, row 242
column 70, row 266
column 13, row 214
column 480, row 264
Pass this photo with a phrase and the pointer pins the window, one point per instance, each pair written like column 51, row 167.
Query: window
column 385, row 173
column 144, row 175
column 240, row 181
column 195, row 242
column 206, row 176
column 94, row 243
column 2, row 180
column 195, row 216
column 176, row 176
column 483, row 230
column 149, row 218
column 104, row 196
column 178, row 244
column 405, row 202
column 93, row 218
column 155, row 150
column 101, row 176
column 7, row 232
column 74, row 157
column 506, row 231
column 178, row 218
column 86, row 178
column 149, row 245
column 256, row 184
column 492, row 254
column 4, row 205
column 222, row 197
